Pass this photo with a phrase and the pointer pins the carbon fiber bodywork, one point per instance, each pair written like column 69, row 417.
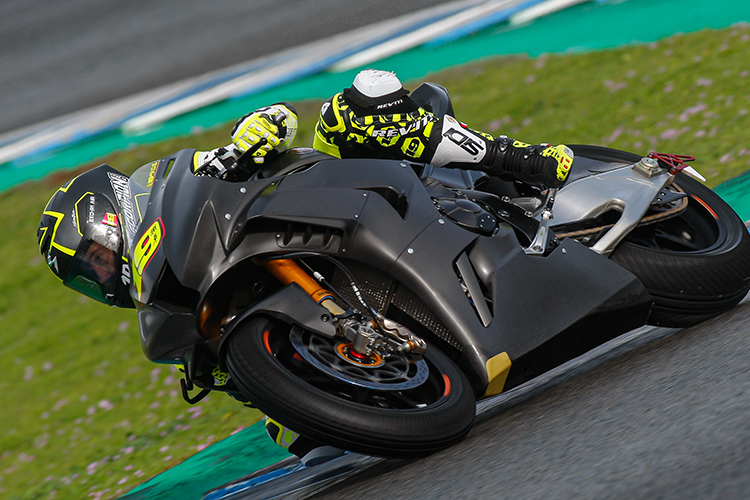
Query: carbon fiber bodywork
column 381, row 220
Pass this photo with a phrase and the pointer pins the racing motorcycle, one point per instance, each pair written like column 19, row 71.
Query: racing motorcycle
column 368, row 304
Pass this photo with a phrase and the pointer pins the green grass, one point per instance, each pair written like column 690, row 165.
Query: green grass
column 85, row 414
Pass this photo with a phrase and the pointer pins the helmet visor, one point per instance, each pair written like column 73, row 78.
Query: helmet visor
column 96, row 264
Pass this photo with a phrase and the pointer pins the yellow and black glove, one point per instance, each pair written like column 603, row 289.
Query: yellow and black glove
column 277, row 124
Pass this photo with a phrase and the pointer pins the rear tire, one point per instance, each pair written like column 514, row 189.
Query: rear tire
column 695, row 265
column 425, row 413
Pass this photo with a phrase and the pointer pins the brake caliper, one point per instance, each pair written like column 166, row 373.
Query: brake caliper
column 408, row 341
column 379, row 337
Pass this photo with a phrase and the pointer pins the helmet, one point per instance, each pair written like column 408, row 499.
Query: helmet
column 375, row 83
column 380, row 92
column 81, row 237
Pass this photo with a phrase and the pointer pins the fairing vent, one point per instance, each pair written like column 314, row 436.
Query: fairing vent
column 395, row 301
column 406, row 301
column 374, row 285
column 479, row 301
column 307, row 236
column 396, row 199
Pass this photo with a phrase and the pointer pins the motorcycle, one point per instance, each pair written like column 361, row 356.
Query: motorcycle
column 368, row 304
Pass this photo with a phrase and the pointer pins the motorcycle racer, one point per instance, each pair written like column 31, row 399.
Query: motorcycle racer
column 374, row 118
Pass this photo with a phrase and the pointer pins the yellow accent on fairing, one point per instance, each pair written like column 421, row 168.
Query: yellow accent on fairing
column 152, row 173
column 138, row 207
column 497, row 372
column 144, row 250
column 195, row 161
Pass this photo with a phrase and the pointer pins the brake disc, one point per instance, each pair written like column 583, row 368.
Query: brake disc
column 394, row 372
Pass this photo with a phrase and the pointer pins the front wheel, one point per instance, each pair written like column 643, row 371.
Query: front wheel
column 695, row 265
column 392, row 406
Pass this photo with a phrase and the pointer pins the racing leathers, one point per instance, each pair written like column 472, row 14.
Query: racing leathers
column 376, row 118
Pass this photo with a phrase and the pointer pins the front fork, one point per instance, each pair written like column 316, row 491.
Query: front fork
column 287, row 271
column 368, row 337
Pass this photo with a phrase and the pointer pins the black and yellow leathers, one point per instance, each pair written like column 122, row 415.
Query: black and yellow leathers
column 403, row 130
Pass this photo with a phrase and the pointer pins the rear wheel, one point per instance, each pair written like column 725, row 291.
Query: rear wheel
column 695, row 265
column 387, row 406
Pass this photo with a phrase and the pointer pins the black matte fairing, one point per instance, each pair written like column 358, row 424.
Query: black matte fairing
column 376, row 212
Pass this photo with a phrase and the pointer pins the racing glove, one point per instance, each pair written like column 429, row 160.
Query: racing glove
column 277, row 124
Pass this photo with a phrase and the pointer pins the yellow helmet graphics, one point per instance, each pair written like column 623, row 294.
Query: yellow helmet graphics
column 81, row 237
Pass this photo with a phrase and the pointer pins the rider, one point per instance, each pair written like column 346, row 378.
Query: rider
column 81, row 231
column 376, row 118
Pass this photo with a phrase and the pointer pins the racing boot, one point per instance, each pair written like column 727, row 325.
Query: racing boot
column 309, row 452
column 457, row 146
column 514, row 160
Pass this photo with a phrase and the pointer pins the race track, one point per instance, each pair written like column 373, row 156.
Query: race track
column 666, row 419
column 58, row 57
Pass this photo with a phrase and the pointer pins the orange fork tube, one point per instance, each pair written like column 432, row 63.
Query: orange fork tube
column 287, row 271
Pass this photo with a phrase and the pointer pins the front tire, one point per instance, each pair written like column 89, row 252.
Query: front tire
column 426, row 411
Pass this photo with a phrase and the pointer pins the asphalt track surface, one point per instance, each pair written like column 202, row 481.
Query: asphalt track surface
column 664, row 418
column 60, row 56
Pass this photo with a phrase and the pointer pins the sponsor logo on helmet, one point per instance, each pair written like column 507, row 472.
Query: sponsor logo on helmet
column 110, row 219
column 125, row 274
column 92, row 209
column 121, row 187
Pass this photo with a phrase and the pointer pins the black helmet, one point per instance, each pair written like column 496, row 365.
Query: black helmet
column 81, row 237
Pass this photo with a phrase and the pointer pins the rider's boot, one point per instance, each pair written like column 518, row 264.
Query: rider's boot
column 457, row 146
column 308, row 451
column 514, row 160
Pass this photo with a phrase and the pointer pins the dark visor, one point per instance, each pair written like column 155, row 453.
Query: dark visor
column 96, row 265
